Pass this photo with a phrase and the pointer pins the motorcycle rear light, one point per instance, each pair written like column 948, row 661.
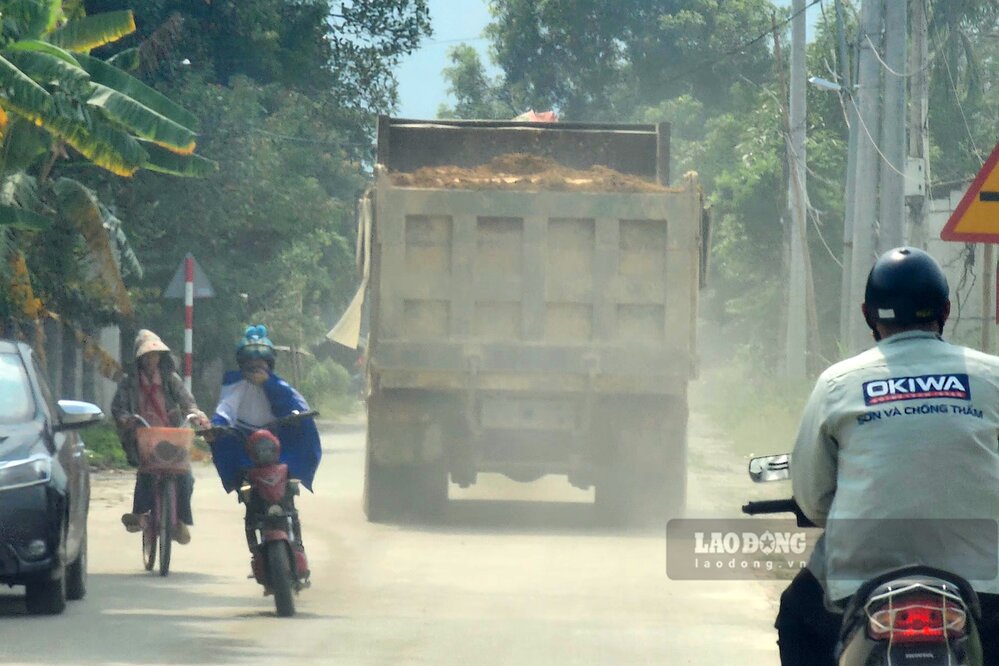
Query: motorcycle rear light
column 919, row 618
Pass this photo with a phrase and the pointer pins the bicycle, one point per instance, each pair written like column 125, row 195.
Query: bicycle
column 165, row 453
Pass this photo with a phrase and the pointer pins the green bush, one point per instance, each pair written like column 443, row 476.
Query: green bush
column 327, row 387
column 103, row 448
column 757, row 411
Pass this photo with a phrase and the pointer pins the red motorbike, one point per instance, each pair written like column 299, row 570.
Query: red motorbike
column 273, row 530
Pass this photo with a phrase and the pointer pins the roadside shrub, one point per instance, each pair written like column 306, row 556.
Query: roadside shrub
column 327, row 387
column 756, row 410
column 103, row 448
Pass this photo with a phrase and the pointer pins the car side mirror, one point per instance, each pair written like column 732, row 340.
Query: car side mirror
column 770, row 468
column 74, row 414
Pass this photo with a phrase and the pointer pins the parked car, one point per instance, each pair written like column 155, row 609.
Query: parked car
column 44, row 485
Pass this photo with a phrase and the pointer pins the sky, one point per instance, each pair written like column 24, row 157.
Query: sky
column 421, row 85
column 422, row 88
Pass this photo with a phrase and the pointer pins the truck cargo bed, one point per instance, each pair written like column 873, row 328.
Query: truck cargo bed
column 545, row 284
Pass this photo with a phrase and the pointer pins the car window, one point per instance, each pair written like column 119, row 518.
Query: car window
column 43, row 386
column 16, row 401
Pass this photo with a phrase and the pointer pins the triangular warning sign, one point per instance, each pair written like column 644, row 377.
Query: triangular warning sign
column 202, row 287
column 976, row 218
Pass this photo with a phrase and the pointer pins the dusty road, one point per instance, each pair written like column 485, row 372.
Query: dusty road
column 500, row 582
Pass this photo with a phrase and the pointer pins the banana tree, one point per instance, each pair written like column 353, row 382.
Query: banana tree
column 57, row 101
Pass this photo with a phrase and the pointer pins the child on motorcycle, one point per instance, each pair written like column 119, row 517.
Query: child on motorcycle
column 155, row 392
column 252, row 397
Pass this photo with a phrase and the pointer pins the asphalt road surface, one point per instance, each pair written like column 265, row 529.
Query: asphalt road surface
column 515, row 574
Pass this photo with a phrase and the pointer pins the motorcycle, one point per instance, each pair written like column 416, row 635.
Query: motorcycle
column 273, row 534
column 910, row 615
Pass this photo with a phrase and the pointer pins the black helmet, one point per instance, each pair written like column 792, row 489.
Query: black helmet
column 906, row 287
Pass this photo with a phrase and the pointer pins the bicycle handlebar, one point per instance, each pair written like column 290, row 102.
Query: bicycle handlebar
column 187, row 419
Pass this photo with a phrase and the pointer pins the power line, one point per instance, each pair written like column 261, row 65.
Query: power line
column 742, row 47
column 811, row 211
column 307, row 140
column 901, row 75
column 884, row 158
column 457, row 40
column 964, row 117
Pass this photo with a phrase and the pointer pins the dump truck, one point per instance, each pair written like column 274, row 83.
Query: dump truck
column 532, row 294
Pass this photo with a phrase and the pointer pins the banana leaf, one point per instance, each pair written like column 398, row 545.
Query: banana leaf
column 19, row 218
column 165, row 161
column 24, row 144
column 44, row 47
column 80, row 206
column 45, row 68
column 21, row 190
column 127, row 60
column 19, row 90
column 90, row 32
column 116, row 79
column 102, row 144
column 31, row 17
column 128, row 263
column 142, row 121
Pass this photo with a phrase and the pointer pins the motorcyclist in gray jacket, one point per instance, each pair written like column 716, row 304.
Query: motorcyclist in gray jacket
column 898, row 447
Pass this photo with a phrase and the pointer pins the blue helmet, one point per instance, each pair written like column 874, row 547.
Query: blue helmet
column 255, row 344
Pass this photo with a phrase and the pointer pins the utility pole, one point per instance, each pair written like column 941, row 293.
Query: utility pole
column 850, row 107
column 796, row 340
column 867, row 166
column 919, row 135
column 892, row 228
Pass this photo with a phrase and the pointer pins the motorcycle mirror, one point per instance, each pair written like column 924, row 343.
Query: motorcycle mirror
column 770, row 468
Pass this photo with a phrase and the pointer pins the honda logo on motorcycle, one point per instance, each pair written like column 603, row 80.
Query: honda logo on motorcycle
column 881, row 391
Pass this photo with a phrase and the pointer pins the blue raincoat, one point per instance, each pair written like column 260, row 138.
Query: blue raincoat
column 300, row 447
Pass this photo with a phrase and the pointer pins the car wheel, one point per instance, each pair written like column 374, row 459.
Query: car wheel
column 76, row 574
column 46, row 594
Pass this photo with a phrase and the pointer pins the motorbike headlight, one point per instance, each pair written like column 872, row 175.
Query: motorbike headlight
column 23, row 473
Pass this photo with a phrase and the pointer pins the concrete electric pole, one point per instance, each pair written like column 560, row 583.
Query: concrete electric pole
column 893, row 144
column 919, row 133
column 865, row 203
column 850, row 106
column 796, row 339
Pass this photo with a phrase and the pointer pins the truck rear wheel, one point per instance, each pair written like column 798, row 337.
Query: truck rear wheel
column 641, row 453
column 406, row 469
column 382, row 490
column 612, row 496
column 400, row 492
column 431, row 482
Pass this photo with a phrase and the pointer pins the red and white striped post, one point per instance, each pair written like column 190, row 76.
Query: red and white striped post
column 188, row 319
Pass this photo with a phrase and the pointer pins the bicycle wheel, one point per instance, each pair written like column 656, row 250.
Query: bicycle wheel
column 167, row 506
column 149, row 531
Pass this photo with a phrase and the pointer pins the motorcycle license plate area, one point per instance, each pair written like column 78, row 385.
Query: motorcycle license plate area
column 918, row 624
column 165, row 450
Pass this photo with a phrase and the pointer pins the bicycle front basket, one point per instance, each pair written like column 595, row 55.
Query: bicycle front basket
column 165, row 450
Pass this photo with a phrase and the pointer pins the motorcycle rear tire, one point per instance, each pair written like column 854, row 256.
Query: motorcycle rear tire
column 281, row 578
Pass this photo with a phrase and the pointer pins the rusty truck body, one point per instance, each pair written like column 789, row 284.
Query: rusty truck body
column 529, row 332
